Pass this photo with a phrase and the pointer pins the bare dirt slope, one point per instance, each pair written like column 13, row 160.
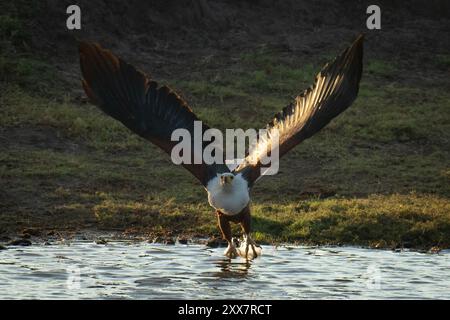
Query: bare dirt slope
column 169, row 37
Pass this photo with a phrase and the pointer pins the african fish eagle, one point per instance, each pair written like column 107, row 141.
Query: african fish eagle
column 154, row 112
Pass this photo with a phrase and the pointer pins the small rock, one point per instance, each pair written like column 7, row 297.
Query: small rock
column 183, row 240
column 26, row 236
column 2, row 247
column 380, row 245
column 212, row 243
column 31, row 232
column 407, row 245
column 101, row 241
column 20, row 242
column 215, row 242
column 157, row 240
column 51, row 233
column 435, row 250
column 169, row 241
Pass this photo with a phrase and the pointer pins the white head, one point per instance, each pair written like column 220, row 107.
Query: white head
column 225, row 179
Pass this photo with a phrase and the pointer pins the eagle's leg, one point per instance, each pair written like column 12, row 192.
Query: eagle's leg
column 248, row 241
column 225, row 228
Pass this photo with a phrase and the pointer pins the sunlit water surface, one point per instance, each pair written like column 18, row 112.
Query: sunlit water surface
column 130, row 270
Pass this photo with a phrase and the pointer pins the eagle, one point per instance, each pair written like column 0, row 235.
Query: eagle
column 154, row 112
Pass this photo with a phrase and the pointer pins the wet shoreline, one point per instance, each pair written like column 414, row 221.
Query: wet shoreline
column 30, row 237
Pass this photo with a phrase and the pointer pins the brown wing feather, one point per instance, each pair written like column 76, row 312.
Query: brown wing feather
column 130, row 97
column 334, row 90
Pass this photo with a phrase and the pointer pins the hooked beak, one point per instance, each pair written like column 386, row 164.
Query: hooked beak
column 224, row 180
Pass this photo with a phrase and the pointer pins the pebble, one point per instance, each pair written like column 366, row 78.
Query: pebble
column 101, row 241
column 169, row 241
column 20, row 242
column 435, row 250
column 31, row 232
column 216, row 242
column 157, row 240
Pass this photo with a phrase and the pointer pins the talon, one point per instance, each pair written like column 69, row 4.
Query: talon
column 246, row 249
column 254, row 251
column 230, row 251
column 244, row 253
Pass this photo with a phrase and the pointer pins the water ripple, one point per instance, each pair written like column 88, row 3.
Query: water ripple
column 133, row 270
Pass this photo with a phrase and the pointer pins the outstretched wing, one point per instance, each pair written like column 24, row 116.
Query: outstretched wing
column 129, row 96
column 334, row 90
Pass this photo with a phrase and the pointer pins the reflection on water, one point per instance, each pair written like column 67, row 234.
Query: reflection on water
column 129, row 270
column 232, row 268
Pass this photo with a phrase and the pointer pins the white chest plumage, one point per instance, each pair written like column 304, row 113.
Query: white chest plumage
column 229, row 199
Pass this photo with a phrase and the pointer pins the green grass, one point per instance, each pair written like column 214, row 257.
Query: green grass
column 379, row 174
column 392, row 219
column 265, row 72
column 443, row 61
column 380, row 68
column 28, row 72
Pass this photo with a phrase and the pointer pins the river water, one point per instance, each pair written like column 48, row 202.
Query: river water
column 140, row 270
